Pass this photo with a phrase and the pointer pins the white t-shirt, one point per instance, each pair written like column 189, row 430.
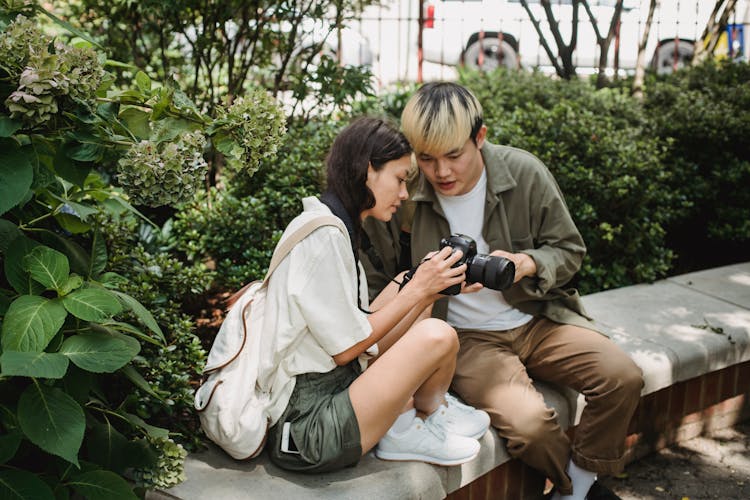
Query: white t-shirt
column 311, row 304
column 486, row 309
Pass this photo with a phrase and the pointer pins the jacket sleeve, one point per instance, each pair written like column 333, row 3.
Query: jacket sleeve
column 558, row 248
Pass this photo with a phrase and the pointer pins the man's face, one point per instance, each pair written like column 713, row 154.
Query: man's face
column 454, row 172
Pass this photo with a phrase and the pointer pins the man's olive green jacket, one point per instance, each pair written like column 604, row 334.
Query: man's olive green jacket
column 524, row 212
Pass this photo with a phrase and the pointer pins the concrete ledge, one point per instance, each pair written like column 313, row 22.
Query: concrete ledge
column 677, row 329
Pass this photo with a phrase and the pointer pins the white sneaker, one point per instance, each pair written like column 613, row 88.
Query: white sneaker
column 426, row 442
column 459, row 418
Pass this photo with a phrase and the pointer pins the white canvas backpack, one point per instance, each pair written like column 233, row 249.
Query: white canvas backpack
column 232, row 407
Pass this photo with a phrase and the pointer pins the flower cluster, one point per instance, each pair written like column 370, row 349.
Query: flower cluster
column 163, row 174
column 256, row 123
column 83, row 68
column 169, row 469
column 39, row 87
column 47, row 82
column 20, row 39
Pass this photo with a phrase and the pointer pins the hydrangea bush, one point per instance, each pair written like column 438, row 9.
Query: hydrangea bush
column 91, row 326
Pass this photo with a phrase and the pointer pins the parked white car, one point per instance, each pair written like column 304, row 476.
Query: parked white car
column 492, row 33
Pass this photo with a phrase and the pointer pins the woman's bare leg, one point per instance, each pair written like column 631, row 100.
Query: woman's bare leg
column 420, row 364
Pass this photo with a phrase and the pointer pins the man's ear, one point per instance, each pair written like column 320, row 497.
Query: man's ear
column 481, row 136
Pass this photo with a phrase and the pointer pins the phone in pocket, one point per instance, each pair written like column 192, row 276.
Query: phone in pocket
column 287, row 443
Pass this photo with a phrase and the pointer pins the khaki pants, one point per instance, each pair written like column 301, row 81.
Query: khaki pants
column 495, row 372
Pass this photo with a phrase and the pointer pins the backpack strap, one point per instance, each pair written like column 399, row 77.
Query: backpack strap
column 300, row 234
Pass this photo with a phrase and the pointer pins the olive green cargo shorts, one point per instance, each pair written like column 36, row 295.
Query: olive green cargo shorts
column 323, row 428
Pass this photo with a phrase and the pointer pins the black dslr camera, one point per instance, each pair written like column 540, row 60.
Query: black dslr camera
column 491, row 271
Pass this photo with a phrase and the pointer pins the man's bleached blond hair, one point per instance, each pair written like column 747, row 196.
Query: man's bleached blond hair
column 439, row 117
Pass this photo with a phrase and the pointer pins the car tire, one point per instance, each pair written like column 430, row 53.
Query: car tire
column 496, row 53
column 669, row 56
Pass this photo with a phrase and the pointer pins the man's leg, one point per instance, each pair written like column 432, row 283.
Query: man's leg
column 607, row 377
column 490, row 376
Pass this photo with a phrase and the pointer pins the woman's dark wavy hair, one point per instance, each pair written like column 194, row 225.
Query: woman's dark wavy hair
column 365, row 141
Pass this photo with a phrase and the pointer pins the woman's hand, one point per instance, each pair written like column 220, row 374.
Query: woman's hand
column 435, row 273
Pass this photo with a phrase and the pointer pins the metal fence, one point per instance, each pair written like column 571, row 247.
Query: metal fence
column 410, row 40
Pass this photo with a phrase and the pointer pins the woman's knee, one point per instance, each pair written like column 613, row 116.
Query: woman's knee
column 438, row 335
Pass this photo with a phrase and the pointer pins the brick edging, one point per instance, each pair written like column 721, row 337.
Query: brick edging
column 682, row 411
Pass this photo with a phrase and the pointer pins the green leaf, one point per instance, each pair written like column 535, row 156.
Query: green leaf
column 33, row 364
column 143, row 82
column 72, row 283
column 107, row 447
column 72, row 224
column 69, row 27
column 9, row 445
column 15, row 273
column 77, row 256
column 22, row 485
column 168, row 129
column 136, row 421
column 141, row 313
column 48, row 267
column 120, row 327
column 52, row 420
column 31, row 322
column 138, row 380
column 99, row 484
column 98, row 255
column 69, row 169
column 100, row 353
column 137, row 121
column 16, row 174
column 8, row 126
column 8, row 233
column 88, row 151
column 91, row 304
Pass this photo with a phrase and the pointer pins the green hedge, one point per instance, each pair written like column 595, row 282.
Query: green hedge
column 702, row 116
column 651, row 184
column 237, row 228
column 611, row 173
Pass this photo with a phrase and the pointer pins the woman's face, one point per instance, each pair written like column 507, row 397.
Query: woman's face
column 389, row 187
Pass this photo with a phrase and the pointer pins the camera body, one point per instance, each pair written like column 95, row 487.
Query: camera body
column 491, row 271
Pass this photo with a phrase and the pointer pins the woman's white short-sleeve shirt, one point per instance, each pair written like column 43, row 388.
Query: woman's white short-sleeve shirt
column 311, row 304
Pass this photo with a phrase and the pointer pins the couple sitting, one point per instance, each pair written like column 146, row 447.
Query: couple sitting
column 375, row 374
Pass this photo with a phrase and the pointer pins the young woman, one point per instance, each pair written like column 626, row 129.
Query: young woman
column 328, row 410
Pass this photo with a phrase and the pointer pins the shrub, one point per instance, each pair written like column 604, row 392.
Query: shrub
column 702, row 114
column 609, row 170
column 238, row 227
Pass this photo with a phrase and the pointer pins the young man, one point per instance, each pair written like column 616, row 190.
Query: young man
column 509, row 203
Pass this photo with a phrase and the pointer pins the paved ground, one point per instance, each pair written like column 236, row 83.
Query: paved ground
column 716, row 467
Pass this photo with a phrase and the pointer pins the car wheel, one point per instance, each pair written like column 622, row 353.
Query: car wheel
column 490, row 53
column 671, row 55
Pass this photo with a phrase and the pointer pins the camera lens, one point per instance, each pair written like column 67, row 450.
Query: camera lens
column 491, row 271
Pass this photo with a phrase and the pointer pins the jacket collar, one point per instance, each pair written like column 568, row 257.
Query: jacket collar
column 499, row 177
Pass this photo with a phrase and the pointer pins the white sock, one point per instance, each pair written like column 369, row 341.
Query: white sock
column 403, row 422
column 582, row 480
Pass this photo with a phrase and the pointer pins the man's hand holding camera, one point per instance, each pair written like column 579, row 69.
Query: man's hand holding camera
column 525, row 265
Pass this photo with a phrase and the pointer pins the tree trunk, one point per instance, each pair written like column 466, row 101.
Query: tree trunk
column 706, row 46
column 640, row 65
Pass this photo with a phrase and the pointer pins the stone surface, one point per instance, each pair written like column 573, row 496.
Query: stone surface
column 675, row 329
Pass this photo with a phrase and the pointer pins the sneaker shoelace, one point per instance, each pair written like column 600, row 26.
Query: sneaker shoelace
column 434, row 426
column 453, row 402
